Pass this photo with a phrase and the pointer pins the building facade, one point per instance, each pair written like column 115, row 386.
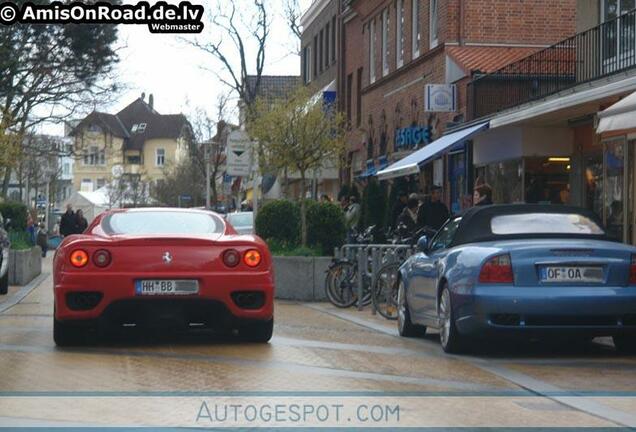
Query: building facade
column 542, row 143
column 135, row 145
column 405, row 70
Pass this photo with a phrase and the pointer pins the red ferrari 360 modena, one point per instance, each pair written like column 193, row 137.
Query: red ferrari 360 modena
column 162, row 269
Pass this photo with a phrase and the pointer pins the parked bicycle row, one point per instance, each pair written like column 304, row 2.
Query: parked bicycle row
column 365, row 273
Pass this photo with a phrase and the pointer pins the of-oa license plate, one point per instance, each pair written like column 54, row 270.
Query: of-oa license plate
column 572, row 274
column 166, row 287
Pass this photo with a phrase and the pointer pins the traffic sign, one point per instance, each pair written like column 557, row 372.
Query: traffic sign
column 239, row 154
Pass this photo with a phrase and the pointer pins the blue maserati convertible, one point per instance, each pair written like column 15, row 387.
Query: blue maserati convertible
column 520, row 269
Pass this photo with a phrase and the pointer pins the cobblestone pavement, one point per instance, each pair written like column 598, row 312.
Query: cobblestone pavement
column 319, row 355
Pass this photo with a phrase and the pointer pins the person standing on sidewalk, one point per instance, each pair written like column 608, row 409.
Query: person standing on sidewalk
column 80, row 222
column 67, row 222
column 434, row 212
column 43, row 240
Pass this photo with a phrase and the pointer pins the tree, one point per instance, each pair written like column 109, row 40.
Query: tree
column 293, row 15
column 54, row 70
column 181, row 179
column 241, row 29
column 210, row 142
column 297, row 134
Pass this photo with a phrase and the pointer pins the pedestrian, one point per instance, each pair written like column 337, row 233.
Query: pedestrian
column 80, row 222
column 482, row 195
column 43, row 240
column 433, row 213
column 31, row 230
column 407, row 221
column 67, row 222
column 398, row 208
column 352, row 218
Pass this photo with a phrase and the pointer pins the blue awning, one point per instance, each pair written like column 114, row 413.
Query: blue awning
column 413, row 162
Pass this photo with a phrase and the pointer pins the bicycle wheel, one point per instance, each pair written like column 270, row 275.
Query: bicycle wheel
column 340, row 284
column 385, row 291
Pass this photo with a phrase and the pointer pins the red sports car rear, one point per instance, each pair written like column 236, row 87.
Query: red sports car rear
column 164, row 270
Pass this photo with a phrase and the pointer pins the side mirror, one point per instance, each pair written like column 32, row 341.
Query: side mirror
column 422, row 244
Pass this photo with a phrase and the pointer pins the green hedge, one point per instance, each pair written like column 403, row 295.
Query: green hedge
column 17, row 212
column 325, row 226
column 279, row 221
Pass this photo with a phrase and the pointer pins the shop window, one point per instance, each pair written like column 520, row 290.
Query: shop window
column 547, row 180
column 505, row 178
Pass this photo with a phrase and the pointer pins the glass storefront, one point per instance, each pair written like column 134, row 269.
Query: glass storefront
column 506, row 180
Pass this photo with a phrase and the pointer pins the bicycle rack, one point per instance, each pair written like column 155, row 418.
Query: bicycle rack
column 379, row 254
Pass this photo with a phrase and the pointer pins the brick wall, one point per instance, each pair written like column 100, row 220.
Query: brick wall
column 396, row 100
column 517, row 21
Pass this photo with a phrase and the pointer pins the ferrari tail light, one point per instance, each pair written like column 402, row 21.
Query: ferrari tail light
column 632, row 271
column 497, row 269
column 79, row 258
column 231, row 258
column 101, row 258
column 252, row 258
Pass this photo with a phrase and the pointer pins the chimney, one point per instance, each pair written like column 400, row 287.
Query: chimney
column 143, row 95
column 151, row 100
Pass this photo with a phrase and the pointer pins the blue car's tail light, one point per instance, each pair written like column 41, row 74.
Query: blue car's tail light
column 497, row 269
column 632, row 271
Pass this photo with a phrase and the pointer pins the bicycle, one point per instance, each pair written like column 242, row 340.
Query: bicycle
column 385, row 287
column 341, row 282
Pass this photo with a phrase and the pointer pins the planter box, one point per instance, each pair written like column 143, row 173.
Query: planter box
column 24, row 265
column 301, row 278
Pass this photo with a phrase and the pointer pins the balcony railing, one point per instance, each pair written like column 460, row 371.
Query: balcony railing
column 599, row 52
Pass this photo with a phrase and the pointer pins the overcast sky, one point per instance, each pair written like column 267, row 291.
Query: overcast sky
column 175, row 72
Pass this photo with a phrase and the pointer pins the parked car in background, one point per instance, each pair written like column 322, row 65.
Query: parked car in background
column 522, row 270
column 243, row 222
column 4, row 256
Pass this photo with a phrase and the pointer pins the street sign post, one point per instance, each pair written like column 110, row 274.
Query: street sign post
column 239, row 154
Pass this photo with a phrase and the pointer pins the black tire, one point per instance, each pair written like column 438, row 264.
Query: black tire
column 625, row 344
column 4, row 283
column 385, row 291
column 66, row 335
column 257, row 332
column 406, row 328
column 451, row 340
column 340, row 284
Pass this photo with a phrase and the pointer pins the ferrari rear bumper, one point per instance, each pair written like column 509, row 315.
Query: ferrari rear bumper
column 112, row 297
column 592, row 311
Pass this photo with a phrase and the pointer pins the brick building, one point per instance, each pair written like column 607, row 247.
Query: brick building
column 392, row 51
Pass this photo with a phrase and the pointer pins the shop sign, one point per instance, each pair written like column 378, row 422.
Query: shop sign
column 440, row 98
column 412, row 137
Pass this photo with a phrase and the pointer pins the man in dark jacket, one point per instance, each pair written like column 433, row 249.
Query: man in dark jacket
column 67, row 222
column 434, row 212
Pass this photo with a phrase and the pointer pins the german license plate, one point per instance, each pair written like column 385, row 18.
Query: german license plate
column 166, row 287
column 571, row 274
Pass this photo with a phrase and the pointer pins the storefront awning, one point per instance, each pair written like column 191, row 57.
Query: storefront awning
column 413, row 162
column 620, row 116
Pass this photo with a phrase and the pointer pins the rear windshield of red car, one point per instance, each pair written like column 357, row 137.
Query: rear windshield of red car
column 544, row 223
column 162, row 222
